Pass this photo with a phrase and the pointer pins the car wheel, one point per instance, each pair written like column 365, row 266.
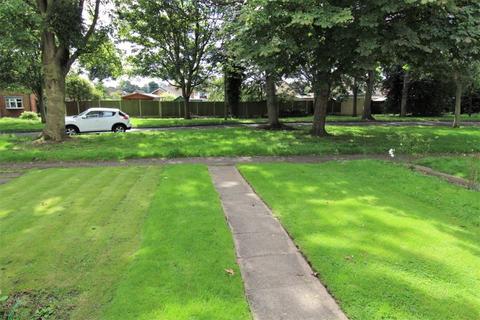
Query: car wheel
column 71, row 130
column 119, row 128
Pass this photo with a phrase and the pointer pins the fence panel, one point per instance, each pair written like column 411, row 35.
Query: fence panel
column 253, row 109
column 110, row 104
column 150, row 109
column 130, row 107
column 171, row 109
column 175, row 109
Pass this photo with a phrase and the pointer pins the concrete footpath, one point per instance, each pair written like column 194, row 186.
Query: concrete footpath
column 279, row 283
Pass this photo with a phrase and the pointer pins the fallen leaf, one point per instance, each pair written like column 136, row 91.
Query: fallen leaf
column 230, row 272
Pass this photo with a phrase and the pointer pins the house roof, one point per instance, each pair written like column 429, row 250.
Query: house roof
column 140, row 94
column 167, row 89
column 159, row 91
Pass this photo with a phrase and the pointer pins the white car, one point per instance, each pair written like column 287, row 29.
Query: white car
column 98, row 119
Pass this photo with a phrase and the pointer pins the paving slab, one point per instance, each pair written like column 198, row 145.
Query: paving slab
column 290, row 269
column 234, row 207
column 254, row 224
column 306, row 302
column 251, row 245
column 279, row 283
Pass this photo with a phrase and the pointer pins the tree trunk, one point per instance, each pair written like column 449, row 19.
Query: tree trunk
column 470, row 104
column 406, row 85
column 55, row 100
column 321, row 93
column 367, row 107
column 272, row 105
column 40, row 103
column 41, row 108
column 355, row 97
column 226, row 111
column 232, row 90
column 458, row 102
column 186, row 107
column 226, row 101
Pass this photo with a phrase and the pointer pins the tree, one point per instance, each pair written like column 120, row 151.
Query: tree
column 64, row 37
column 128, row 86
column 20, row 52
column 315, row 32
column 103, row 61
column 176, row 40
column 258, row 40
column 215, row 89
column 456, row 45
column 253, row 86
column 386, row 33
column 233, row 79
column 152, row 86
column 78, row 88
column 405, row 87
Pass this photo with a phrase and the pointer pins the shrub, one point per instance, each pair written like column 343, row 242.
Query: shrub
column 29, row 115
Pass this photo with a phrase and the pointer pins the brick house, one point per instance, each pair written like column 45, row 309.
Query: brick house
column 12, row 104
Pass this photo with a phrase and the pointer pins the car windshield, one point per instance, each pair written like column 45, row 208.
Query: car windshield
column 81, row 114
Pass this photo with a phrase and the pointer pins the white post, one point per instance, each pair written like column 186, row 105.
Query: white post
column 160, row 108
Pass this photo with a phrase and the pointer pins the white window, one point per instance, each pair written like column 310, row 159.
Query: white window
column 14, row 102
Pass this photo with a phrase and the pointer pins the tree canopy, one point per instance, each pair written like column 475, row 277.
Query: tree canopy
column 175, row 40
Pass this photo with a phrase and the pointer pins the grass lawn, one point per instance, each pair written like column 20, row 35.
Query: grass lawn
column 19, row 125
column 244, row 142
column 159, row 122
column 116, row 243
column 467, row 167
column 387, row 242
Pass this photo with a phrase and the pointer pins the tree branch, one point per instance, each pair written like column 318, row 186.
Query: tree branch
column 87, row 36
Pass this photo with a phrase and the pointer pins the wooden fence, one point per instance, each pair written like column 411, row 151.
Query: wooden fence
column 175, row 109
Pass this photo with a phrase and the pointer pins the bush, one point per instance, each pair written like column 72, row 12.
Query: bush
column 29, row 115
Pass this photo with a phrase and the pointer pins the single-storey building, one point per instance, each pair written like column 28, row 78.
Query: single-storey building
column 344, row 107
column 347, row 104
column 171, row 91
column 12, row 104
column 141, row 96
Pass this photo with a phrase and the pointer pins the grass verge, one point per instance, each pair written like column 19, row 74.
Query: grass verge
column 111, row 243
column 8, row 125
column 387, row 242
column 244, row 142
column 466, row 167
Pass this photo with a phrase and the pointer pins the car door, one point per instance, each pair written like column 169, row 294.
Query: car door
column 90, row 121
column 107, row 120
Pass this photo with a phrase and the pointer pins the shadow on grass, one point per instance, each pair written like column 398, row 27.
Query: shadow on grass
column 179, row 270
column 72, row 230
column 245, row 142
column 387, row 242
